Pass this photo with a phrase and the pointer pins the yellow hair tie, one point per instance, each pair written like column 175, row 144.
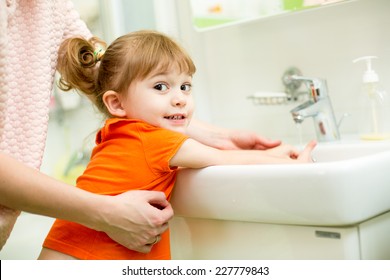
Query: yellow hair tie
column 98, row 53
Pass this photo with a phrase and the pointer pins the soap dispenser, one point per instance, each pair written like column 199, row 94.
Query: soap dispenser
column 374, row 105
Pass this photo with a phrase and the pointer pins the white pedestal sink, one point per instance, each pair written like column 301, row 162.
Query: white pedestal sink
column 310, row 211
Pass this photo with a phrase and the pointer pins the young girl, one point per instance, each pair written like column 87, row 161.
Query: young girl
column 142, row 83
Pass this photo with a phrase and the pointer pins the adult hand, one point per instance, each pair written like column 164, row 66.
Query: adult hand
column 132, row 219
column 138, row 218
column 245, row 140
column 226, row 139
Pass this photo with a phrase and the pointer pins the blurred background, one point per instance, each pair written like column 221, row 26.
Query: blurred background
column 240, row 47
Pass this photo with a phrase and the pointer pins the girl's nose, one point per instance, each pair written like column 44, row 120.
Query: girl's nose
column 179, row 100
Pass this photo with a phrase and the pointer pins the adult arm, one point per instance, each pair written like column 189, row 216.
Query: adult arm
column 131, row 218
column 226, row 139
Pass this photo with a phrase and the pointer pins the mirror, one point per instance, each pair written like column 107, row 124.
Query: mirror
column 215, row 13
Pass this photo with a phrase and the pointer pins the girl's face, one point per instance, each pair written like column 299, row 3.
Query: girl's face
column 161, row 99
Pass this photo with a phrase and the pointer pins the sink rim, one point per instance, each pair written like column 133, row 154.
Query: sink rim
column 337, row 195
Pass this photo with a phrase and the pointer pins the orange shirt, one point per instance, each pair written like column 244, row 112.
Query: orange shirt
column 129, row 155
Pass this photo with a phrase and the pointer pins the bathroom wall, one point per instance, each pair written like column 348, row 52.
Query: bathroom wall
column 236, row 61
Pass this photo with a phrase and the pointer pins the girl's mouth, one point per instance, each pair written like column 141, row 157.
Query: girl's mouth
column 175, row 117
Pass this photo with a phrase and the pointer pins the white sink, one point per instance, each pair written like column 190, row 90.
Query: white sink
column 349, row 184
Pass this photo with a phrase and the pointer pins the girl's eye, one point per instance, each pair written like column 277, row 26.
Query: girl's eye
column 161, row 87
column 186, row 87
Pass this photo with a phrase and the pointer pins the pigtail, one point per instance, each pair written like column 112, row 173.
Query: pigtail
column 78, row 63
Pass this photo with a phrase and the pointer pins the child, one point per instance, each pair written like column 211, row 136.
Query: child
column 143, row 84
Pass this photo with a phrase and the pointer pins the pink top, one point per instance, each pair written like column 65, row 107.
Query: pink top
column 30, row 34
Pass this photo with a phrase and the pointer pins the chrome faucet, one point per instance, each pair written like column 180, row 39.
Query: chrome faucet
column 319, row 108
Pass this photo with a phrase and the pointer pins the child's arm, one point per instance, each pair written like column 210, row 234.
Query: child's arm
column 193, row 154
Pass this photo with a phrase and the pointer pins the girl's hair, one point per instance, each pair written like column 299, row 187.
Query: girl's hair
column 129, row 58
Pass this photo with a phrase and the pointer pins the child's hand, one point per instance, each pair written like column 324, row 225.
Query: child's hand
column 305, row 155
column 284, row 151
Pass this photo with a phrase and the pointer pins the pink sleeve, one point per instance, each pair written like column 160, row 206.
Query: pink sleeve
column 75, row 26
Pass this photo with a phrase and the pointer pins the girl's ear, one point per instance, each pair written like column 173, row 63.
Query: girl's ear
column 113, row 103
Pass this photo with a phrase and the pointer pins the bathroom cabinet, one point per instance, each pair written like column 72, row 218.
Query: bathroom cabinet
column 193, row 238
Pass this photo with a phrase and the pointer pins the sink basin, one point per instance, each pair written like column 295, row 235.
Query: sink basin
column 329, row 152
column 349, row 184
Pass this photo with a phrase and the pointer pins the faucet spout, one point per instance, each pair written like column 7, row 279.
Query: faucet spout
column 303, row 111
column 318, row 107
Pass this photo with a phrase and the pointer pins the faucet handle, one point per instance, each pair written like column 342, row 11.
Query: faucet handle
column 317, row 86
column 316, row 82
